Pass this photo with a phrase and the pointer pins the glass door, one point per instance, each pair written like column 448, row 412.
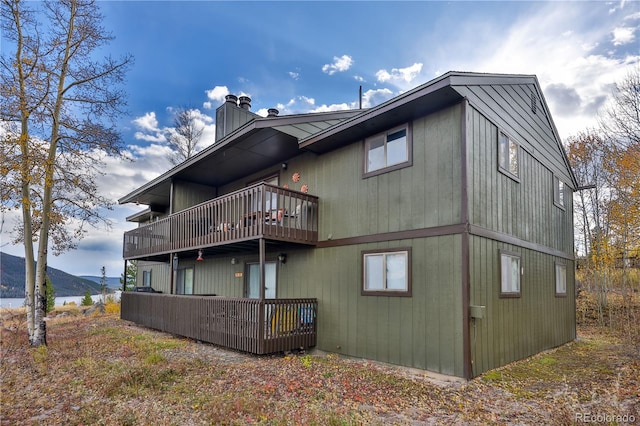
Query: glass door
column 253, row 280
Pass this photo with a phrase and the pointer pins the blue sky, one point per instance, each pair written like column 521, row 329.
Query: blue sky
column 313, row 56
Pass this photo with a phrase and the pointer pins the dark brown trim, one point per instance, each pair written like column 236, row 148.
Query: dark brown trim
column 397, row 235
column 408, row 126
column 511, row 294
column 389, row 293
column 506, row 171
column 556, row 192
column 467, row 363
column 510, row 239
column 555, row 279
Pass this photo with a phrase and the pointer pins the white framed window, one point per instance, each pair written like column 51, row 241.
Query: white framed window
column 387, row 151
column 558, row 192
column 146, row 278
column 386, row 272
column 510, row 272
column 508, row 153
column 184, row 281
column 561, row 279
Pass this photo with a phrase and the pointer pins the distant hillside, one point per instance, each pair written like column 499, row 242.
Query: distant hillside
column 112, row 282
column 12, row 279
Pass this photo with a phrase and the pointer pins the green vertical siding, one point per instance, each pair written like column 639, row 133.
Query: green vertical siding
column 510, row 108
column 160, row 275
column 515, row 328
column 187, row 194
column 423, row 331
column 524, row 209
column 424, row 195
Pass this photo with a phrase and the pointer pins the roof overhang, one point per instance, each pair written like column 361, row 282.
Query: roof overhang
column 427, row 98
column 257, row 145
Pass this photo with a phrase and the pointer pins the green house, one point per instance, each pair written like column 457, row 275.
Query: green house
column 433, row 231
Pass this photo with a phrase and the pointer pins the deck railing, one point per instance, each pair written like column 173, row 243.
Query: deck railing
column 258, row 211
column 250, row 325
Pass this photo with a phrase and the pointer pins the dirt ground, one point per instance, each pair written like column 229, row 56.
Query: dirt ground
column 98, row 369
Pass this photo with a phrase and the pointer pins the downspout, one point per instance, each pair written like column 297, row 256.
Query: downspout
column 467, row 365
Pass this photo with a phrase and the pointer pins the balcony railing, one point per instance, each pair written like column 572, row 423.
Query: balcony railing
column 250, row 325
column 258, row 211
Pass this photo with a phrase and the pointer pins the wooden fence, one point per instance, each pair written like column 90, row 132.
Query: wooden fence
column 249, row 325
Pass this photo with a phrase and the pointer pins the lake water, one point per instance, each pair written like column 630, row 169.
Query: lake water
column 19, row 302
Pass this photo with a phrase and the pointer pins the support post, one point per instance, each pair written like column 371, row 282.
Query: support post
column 124, row 280
column 262, row 273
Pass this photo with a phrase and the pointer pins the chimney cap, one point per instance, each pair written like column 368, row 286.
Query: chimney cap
column 245, row 102
column 231, row 99
column 272, row 112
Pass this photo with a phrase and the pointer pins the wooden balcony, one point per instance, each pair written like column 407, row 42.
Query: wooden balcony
column 249, row 325
column 258, row 211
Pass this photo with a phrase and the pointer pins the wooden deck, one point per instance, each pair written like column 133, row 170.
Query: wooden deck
column 250, row 325
column 258, row 211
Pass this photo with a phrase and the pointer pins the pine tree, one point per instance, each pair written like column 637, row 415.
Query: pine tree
column 87, row 300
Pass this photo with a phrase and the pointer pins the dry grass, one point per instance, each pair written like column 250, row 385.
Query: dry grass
column 99, row 369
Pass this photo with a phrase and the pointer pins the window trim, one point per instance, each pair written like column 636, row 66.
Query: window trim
column 557, row 201
column 395, row 293
column 515, row 255
column 506, row 171
column 397, row 166
column 562, row 265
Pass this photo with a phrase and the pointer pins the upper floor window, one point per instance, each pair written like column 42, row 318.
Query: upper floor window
column 508, row 155
column 387, row 273
column 387, row 151
column 509, row 274
column 558, row 192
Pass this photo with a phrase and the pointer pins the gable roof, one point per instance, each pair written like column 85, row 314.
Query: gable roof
column 263, row 142
column 450, row 89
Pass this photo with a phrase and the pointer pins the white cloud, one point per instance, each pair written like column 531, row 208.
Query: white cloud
column 340, row 64
column 574, row 70
column 372, row 98
column 332, row 107
column 294, row 75
column 217, row 94
column 407, row 74
column 623, row 35
column 147, row 122
column 358, row 78
column 148, row 128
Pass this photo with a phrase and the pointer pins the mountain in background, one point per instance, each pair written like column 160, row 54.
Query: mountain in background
column 12, row 280
column 112, row 282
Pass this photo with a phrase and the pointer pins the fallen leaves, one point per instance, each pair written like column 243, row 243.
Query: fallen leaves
column 100, row 369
